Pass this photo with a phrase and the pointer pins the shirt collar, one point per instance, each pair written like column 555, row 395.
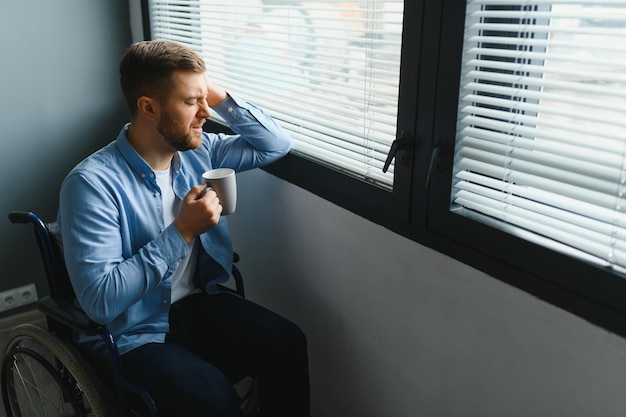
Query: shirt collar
column 134, row 160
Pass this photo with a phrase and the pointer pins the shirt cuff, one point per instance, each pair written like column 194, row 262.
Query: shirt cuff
column 230, row 108
column 173, row 246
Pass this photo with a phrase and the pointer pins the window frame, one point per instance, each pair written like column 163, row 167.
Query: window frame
column 419, row 206
column 389, row 209
column 589, row 291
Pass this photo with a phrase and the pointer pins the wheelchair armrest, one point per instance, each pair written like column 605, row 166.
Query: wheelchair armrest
column 69, row 315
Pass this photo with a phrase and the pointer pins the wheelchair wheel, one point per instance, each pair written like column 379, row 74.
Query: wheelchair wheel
column 42, row 375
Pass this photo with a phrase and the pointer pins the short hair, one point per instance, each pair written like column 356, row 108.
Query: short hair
column 147, row 67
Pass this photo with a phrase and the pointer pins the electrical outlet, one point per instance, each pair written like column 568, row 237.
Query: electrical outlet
column 17, row 297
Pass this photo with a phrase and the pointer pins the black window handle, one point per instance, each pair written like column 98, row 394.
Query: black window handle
column 399, row 144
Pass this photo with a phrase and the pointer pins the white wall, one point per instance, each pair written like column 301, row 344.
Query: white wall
column 396, row 329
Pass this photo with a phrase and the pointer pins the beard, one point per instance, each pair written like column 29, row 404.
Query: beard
column 175, row 134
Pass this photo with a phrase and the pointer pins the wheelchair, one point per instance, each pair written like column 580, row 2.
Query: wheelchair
column 44, row 374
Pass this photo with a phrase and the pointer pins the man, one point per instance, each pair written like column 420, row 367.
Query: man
column 146, row 250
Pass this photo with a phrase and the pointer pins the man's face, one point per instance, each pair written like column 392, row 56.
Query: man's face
column 184, row 111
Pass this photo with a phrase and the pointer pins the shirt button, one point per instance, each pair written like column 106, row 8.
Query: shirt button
column 230, row 110
column 164, row 301
column 143, row 175
column 156, row 195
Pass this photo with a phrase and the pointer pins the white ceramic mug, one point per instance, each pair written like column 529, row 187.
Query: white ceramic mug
column 224, row 183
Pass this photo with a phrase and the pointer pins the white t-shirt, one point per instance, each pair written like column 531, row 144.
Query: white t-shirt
column 182, row 284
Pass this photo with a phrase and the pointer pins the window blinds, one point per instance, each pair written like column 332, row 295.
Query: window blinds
column 328, row 72
column 541, row 131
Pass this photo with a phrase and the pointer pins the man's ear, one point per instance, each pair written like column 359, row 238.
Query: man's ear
column 148, row 107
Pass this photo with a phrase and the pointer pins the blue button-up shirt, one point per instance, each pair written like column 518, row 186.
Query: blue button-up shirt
column 120, row 255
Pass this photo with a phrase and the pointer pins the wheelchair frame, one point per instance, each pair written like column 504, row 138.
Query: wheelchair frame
column 43, row 370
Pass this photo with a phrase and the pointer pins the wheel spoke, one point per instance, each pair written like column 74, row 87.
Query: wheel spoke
column 46, row 377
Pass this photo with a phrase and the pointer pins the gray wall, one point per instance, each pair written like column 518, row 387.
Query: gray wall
column 398, row 330
column 395, row 329
column 59, row 100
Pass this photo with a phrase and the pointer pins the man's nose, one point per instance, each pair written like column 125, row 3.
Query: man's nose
column 205, row 110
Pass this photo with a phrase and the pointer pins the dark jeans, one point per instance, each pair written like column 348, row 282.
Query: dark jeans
column 215, row 340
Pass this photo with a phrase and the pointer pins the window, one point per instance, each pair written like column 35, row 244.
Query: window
column 328, row 72
column 508, row 116
column 530, row 143
column 541, row 132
